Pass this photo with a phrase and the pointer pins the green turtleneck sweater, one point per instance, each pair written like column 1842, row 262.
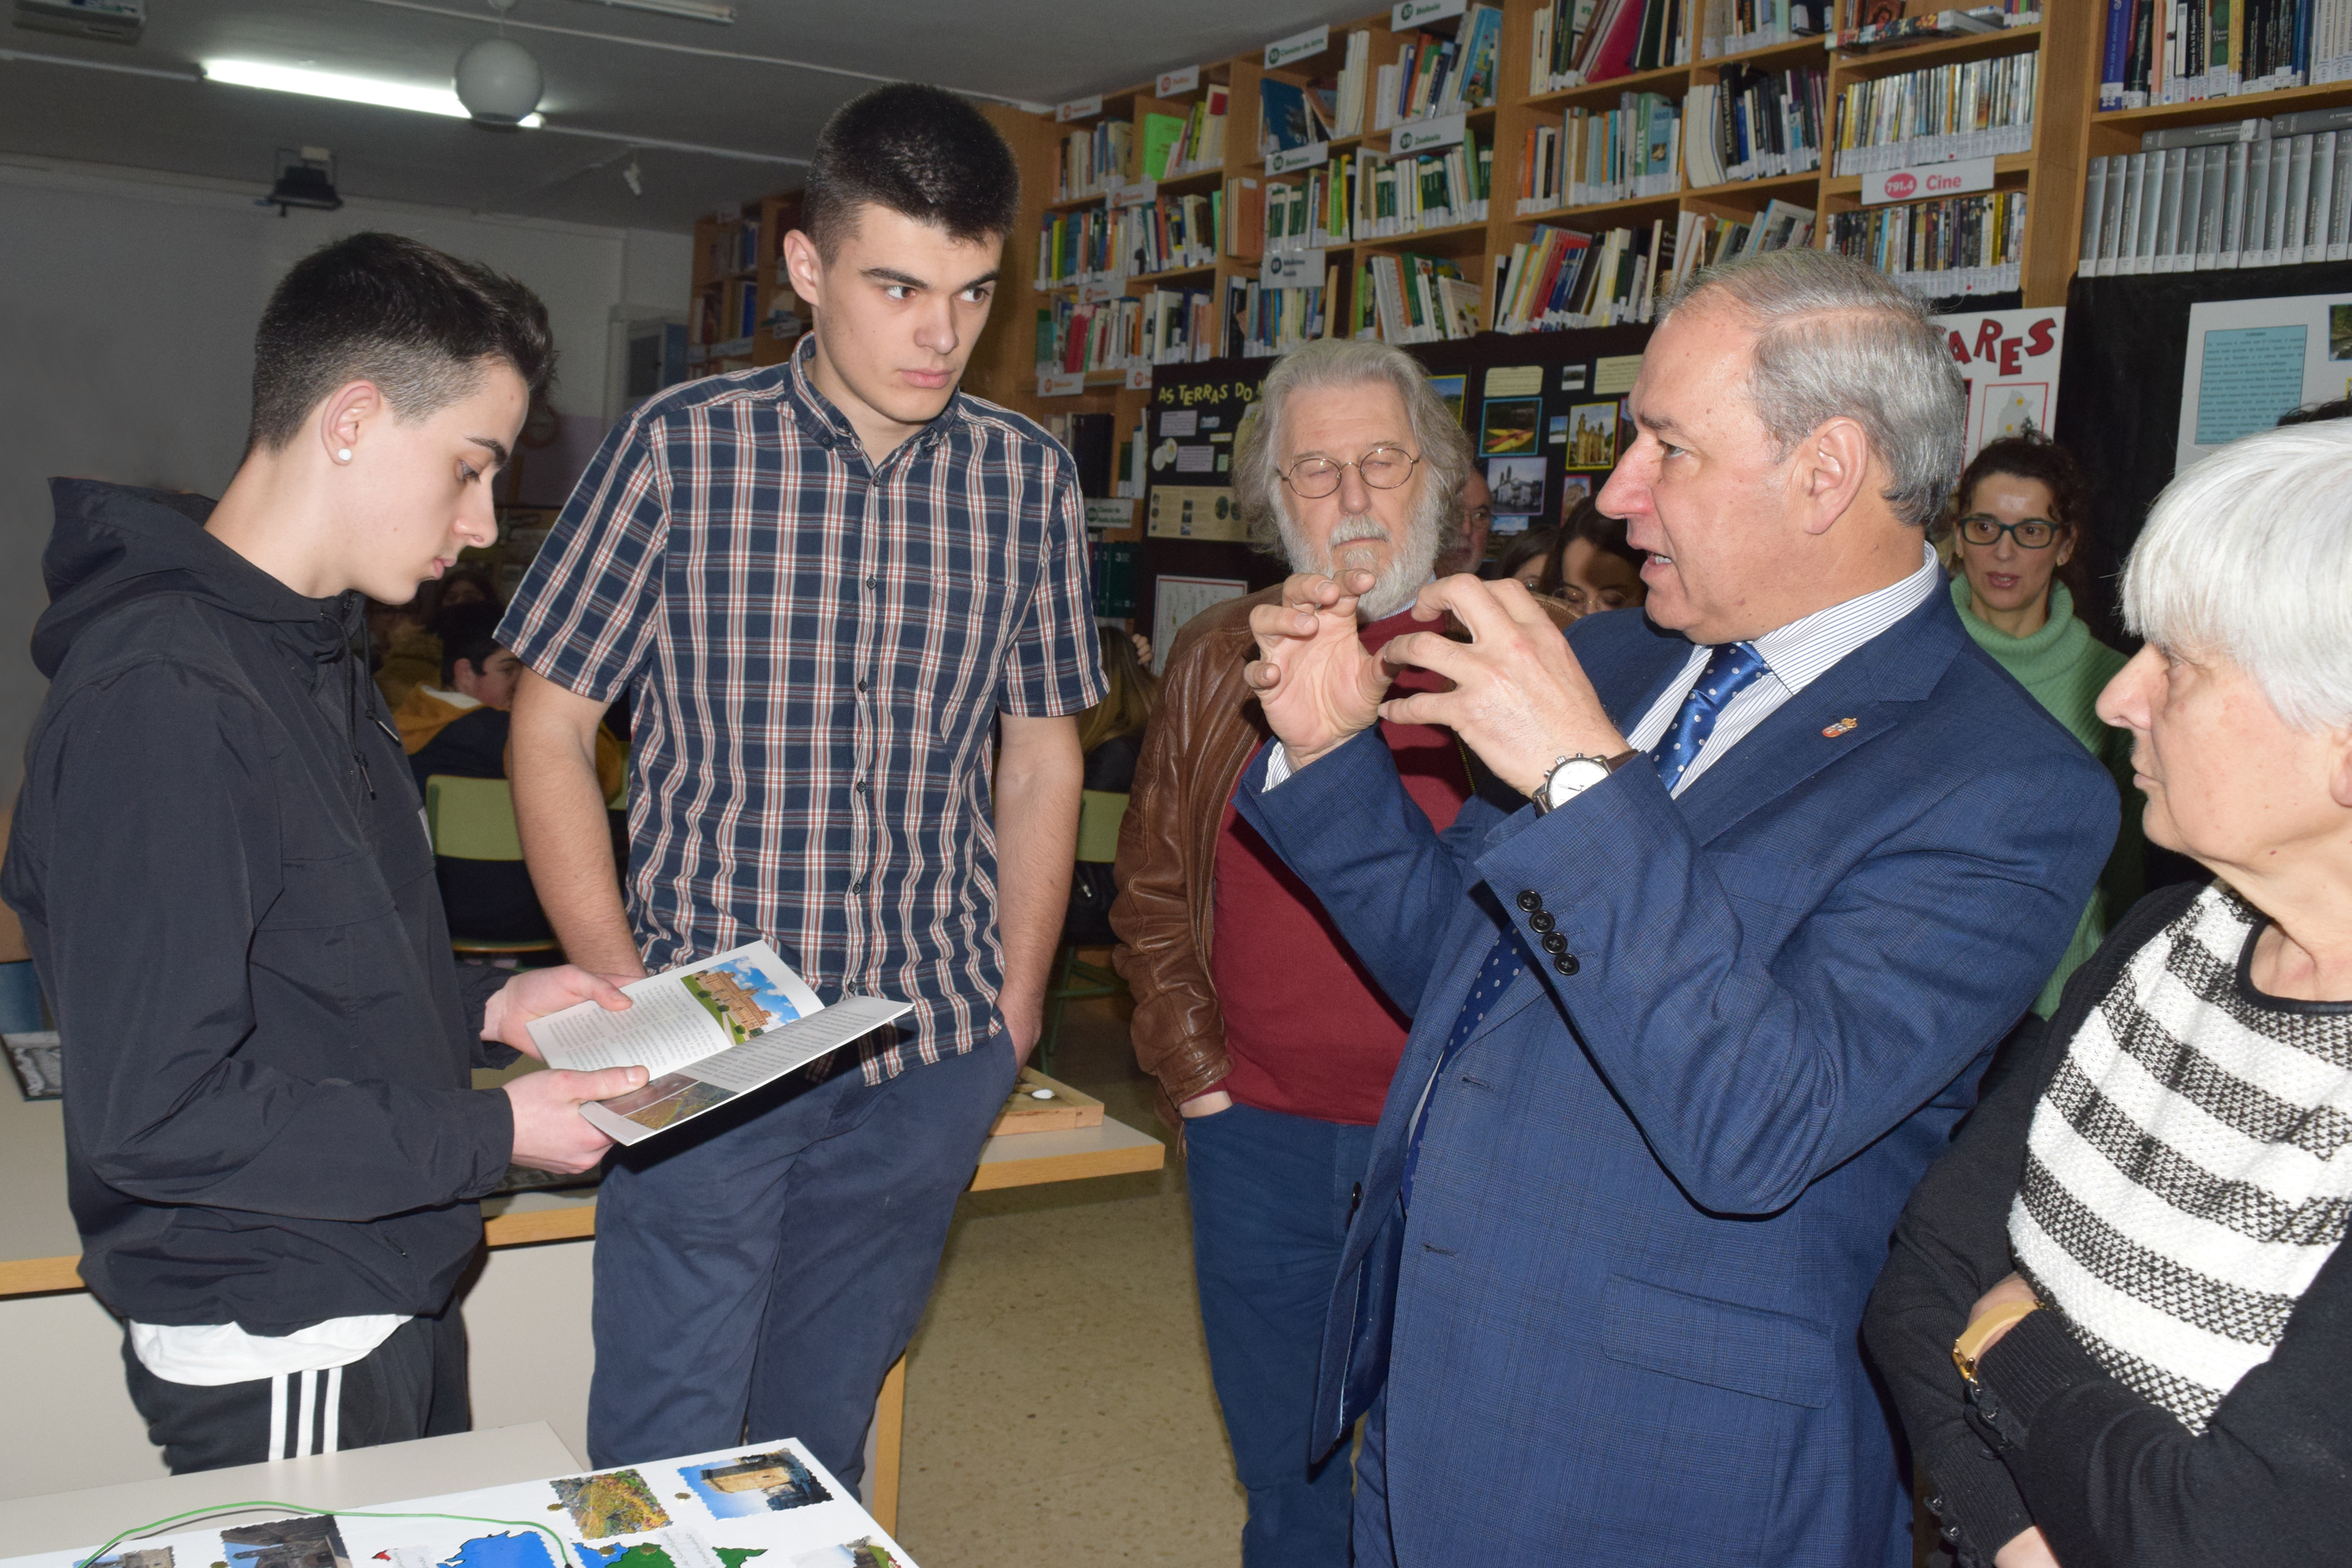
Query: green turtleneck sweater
column 2065, row 667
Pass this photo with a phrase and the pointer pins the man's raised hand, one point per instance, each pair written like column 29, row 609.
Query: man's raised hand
column 1519, row 697
column 1312, row 675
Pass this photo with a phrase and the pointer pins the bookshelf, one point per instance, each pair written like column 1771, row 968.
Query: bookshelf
column 743, row 312
column 2116, row 132
column 2047, row 175
column 2064, row 40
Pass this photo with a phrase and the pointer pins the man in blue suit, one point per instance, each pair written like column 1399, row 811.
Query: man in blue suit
column 1688, row 1027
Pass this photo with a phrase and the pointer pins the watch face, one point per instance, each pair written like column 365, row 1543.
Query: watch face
column 1573, row 777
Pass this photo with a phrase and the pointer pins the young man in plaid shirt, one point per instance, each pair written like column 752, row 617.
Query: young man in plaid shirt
column 830, row 588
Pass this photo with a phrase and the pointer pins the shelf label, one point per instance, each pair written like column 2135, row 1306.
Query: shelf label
column 1926, row 180
column 1419, row 135
column 1135, row 193
column 1294, row 158
column 1170, row 83
column 1061, row 383
column 1139, row 378
column 1298, row 269
column 1100, row 287
column 1110, row 513
column 1413, row 12
column 1078, row 108
column 1297, row 46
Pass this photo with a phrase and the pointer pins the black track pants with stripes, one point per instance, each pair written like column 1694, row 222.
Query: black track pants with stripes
column 412, row 1385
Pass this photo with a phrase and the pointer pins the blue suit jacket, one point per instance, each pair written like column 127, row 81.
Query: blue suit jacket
column 1652, row 1195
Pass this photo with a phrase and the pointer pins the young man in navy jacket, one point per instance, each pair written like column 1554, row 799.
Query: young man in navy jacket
column 273, row 1147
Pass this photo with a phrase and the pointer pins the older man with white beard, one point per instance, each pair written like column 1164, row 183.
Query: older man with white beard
column 1268, row 1037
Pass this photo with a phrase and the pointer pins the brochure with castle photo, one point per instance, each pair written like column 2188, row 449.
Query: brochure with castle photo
column 706, row 1032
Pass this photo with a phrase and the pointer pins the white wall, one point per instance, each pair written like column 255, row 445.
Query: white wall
column 127, row 307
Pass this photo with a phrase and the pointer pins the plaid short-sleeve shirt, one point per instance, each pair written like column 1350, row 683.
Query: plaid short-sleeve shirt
column 816, row 651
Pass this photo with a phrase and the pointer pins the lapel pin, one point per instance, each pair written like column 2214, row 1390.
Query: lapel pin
column 1840, row 728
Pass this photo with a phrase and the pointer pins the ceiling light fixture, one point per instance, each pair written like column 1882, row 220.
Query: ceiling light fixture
column 344, row 89
column 499, row 83
column 692, row 10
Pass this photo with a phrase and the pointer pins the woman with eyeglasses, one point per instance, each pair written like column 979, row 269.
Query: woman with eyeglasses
column 2020, row 562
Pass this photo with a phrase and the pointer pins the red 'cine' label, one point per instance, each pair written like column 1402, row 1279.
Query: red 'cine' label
column 1901, row 184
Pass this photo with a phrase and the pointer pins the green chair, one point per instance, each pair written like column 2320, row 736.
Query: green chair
column 1099, row 815
column 473, row 819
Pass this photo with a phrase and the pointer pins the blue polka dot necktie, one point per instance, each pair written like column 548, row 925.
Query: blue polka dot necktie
column 1504, row 961
column 1730, row 670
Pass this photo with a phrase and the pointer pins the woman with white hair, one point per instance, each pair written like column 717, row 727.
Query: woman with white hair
column 2117, row 1320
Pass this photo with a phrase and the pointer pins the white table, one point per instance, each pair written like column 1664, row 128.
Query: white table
column 363, row 1478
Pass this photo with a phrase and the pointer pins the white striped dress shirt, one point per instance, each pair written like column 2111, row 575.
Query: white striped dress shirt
column 1794, row 657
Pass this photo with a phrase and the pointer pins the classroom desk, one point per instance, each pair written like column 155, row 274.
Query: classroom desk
column 40, row 1249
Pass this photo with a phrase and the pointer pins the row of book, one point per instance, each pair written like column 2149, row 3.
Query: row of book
column 1561, row 279
column 1192, row 143
column 2276, row 202
column 1604, row 155
column 1435, row 75
column 1979, row 109
column 1170, row 233
column 1755, row 125
column 1736, row 27
column 1164, row 326
column 1703, row 240
column 1919, row 27
column 1437, row 189
column 1959, row 245
column 1412, row 299
column 1092, row 161
column 1261, row 321
column 732, row 248
column 1579, row 41
column 2181, row 52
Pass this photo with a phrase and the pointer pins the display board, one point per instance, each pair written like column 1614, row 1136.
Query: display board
column 2120, row 402
column 766, row 1505
column 2248, row 361
column 2010, row 362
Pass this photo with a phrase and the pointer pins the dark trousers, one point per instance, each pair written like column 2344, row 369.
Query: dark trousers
column 756, row 1280
column 1271, row 1197
column 412, row 1385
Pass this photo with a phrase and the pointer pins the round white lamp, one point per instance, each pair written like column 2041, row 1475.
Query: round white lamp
column 499, row 82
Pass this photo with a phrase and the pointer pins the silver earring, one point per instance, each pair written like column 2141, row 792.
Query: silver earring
column 342, row 454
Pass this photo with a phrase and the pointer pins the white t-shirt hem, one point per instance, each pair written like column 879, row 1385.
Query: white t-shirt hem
column 211, row 1356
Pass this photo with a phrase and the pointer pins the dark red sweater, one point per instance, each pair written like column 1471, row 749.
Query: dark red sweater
column 1308, row 1031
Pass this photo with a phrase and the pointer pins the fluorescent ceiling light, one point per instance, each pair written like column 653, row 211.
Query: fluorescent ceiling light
column 692, row 10
column 346, row 88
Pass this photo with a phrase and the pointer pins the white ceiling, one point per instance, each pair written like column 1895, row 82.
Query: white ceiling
column 1038, row 51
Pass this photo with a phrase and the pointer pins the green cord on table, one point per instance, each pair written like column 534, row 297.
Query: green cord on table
column 562, row 1553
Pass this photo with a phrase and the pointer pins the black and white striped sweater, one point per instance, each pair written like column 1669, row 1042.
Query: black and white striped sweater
column 2185, row 1176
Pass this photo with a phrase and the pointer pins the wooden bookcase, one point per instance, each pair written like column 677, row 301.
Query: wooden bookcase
column 1003, row 367
column 2116, row 132
column 718, row 247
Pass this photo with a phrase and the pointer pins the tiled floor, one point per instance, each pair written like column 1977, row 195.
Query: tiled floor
column 1058, row 1406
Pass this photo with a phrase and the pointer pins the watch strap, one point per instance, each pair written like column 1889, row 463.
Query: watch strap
column 1970, row 1347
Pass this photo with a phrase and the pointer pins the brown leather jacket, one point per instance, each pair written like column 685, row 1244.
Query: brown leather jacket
column 1203, row 730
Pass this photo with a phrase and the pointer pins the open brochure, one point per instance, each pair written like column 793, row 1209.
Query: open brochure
column 706, row 1032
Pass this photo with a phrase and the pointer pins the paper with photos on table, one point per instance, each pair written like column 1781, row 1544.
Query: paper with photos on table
column 706, row 1032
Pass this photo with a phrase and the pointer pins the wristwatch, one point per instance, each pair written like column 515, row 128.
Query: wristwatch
column 1970, row 1346
column 1571, row 777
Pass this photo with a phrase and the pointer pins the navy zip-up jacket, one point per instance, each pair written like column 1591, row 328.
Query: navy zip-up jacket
column 223, row 873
